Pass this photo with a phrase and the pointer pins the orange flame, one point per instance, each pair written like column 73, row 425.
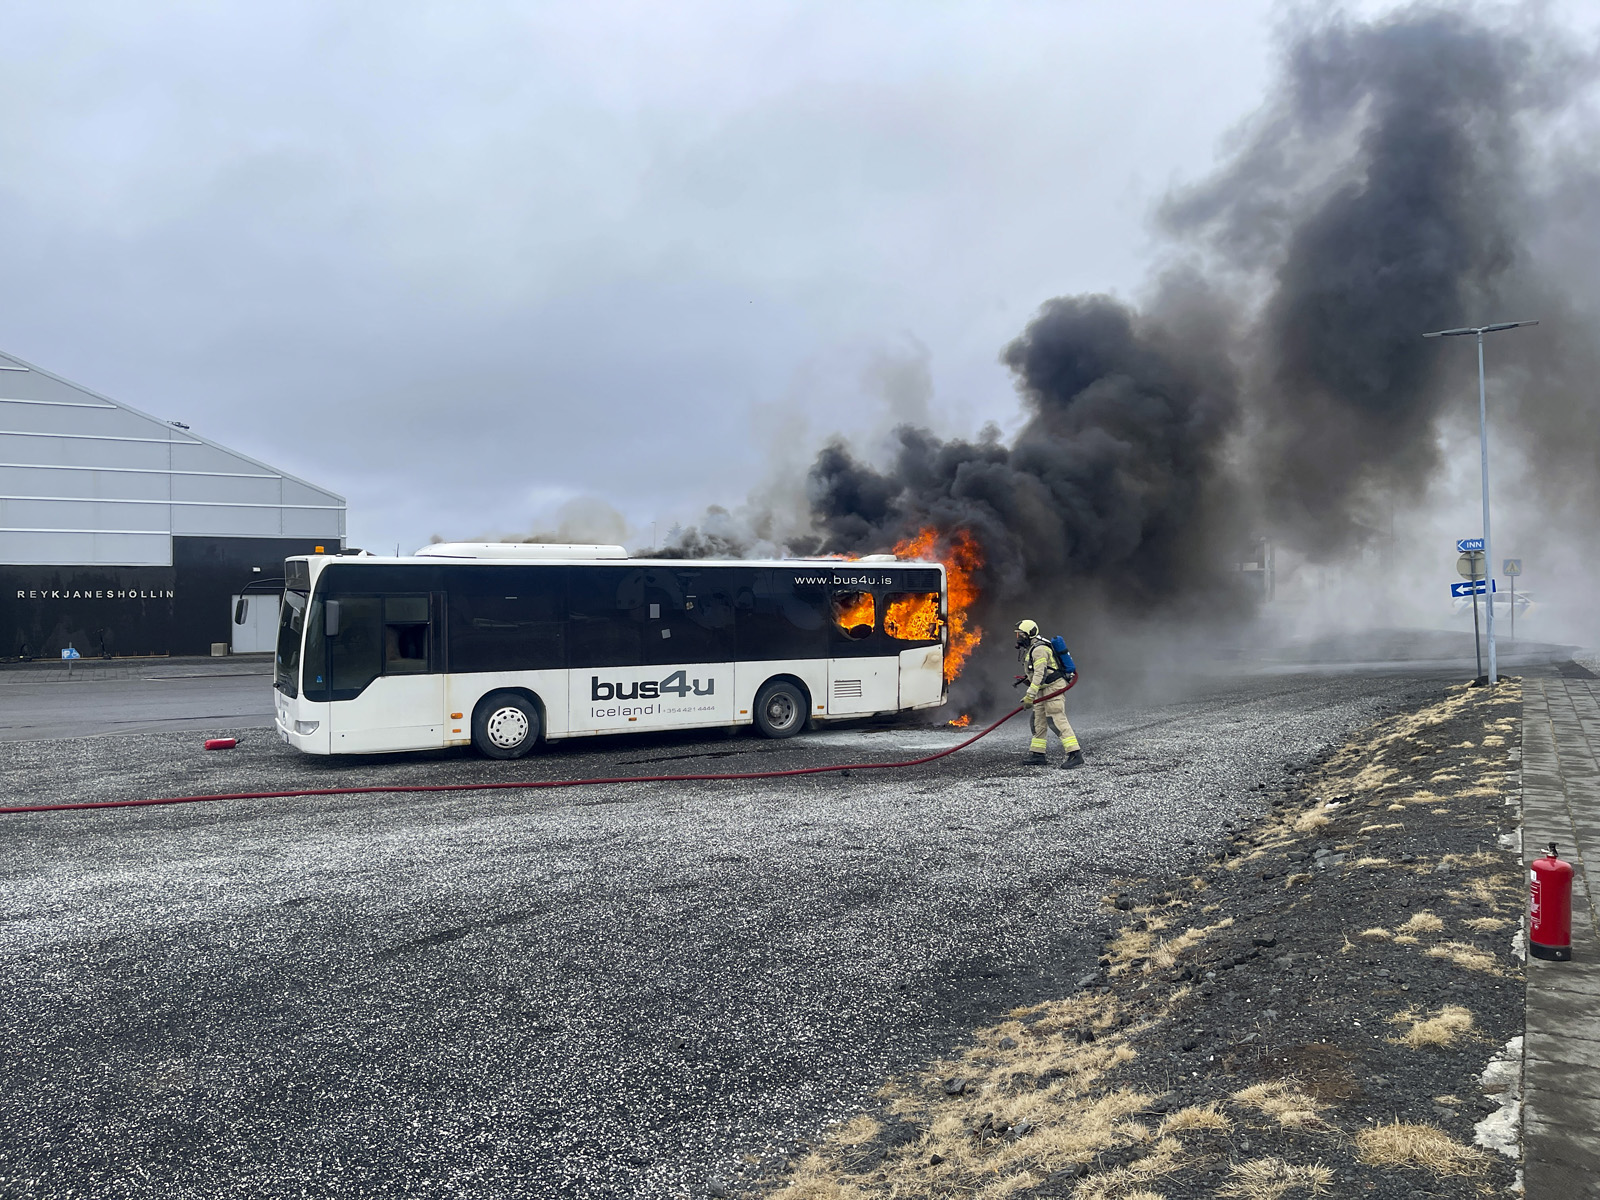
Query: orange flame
column 962, row 721
column 914, row 617
column 852, row 609
column 962, row 557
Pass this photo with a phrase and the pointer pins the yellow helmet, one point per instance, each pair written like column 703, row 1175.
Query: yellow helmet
column 1028, row 628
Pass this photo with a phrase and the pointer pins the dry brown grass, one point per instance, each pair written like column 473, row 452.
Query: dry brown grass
column 1381, row 828
column 1425, row 1147
column 1478, row 858
column 1465, row 955
column 858, row 1130
column 1487, row 924
column 1424, row 796
column 1372, row 862
column 1494, row 889
column 1313, row 818
column 1421, row 922
column 1297, row 880
column 1444, row 1028
column 1284, row 1102
column 1375, row 934
column 1165, row 1158
column 1196, row 1116
column 1273, row 1179
column 1164, row 954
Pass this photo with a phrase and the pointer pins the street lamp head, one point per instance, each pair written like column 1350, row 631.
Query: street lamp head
column 1480, row 329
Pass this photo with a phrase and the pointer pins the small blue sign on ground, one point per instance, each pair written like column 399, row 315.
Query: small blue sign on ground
column 70, row 653
column 1465, row 544
column 1476, row 588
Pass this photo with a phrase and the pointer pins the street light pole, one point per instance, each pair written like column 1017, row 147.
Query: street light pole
column 1483, row 458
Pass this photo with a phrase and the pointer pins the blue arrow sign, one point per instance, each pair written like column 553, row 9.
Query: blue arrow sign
column 1476, row 588
column 1465, row 544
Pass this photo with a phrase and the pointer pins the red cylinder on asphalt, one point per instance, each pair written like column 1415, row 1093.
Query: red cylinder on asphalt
column 225, row 744
column 1550, row 907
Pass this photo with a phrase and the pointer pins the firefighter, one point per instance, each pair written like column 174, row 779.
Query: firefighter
column 1045, row 674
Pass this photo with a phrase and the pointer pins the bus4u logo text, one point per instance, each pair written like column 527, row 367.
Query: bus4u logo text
column 677, row 684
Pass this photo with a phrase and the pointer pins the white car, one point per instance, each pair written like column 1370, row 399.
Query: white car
column 1502, row 605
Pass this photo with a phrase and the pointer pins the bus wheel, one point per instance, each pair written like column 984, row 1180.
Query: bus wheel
column 780, row 710
column 506, row 725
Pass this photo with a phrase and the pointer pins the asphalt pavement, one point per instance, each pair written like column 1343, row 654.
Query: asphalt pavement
column 96, row 698
column 607, row 991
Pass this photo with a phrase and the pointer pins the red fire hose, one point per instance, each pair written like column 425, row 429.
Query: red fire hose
column 538, row 783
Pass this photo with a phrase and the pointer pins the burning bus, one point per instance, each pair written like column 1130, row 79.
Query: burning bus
column 501, row 645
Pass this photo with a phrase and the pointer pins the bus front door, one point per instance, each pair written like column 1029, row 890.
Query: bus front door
column 383, row 660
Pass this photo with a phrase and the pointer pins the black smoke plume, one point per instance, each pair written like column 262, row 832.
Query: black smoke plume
column 1275, row 380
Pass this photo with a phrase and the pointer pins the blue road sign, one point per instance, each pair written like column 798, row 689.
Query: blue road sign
column 1465, row 544
column 70, row 653
column 1476, row 588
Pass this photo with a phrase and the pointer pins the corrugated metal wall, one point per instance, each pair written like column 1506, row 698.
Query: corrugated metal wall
column 87, row 481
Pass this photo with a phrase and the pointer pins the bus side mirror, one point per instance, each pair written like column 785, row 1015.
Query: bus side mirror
column 241, row 610
column 330, row 621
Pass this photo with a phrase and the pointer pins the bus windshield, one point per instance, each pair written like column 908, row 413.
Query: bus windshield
column 286, row 663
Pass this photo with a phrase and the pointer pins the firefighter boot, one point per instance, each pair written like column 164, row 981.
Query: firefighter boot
column 1075, row 759
column 1037, row 759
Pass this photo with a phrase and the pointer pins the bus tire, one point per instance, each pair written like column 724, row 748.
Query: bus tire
column 505, row 725
column 780, row 709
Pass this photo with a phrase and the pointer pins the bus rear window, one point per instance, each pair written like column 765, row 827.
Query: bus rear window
column 855, row 613
column 911, row 616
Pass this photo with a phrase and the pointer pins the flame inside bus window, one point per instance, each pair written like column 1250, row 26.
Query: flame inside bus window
column 854, row 613
column 911, row 616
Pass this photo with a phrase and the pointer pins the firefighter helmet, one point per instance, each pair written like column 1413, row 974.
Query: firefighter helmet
column 1026, row 631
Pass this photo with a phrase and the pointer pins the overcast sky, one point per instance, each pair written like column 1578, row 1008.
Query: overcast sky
column 465, row 262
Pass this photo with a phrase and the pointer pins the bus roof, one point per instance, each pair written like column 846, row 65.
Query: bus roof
column 553, row 560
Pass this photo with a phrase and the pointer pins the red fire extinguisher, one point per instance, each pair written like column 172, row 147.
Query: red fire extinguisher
column 1550, row 907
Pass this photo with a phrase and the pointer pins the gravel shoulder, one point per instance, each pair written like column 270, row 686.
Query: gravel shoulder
column 1332, row 1006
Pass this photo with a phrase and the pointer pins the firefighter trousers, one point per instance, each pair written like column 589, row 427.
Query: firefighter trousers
column 1048, row 713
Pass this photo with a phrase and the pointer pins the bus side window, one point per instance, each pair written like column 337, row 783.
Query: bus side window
column 690, row 619
column 606, row 616
column 776, row 617
column 855, row 613
column 911, row 616
column 507, row 618
column 405, row 635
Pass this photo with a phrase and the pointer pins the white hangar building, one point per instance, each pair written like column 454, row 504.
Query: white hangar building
column 123, row 534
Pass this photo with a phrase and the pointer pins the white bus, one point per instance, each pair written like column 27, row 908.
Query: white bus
column 499, row 646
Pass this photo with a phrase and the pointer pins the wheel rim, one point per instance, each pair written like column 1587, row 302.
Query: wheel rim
column 780, row 711
column 507, row 727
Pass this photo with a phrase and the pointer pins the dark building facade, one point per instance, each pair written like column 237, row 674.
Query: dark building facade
column 123, row 611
